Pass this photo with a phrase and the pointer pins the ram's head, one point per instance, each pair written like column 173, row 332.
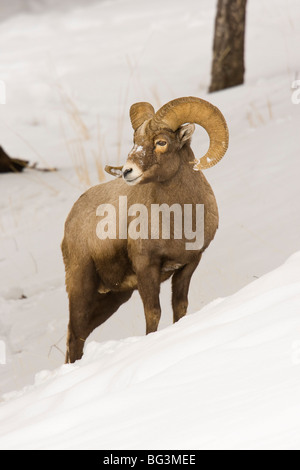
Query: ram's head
column 160, row 137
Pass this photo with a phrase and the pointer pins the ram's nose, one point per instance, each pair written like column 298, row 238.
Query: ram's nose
column 126, row 172
column 131, row 173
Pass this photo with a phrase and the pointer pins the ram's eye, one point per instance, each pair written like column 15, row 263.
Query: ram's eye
column 160, row 146
column 161, row 143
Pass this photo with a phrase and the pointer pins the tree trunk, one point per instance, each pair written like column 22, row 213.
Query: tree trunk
column 228, row 51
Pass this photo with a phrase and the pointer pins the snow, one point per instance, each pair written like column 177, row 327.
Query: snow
column 226, row 376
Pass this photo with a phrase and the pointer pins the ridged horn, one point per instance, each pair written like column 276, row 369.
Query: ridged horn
column 139, row 113
column 195, row 110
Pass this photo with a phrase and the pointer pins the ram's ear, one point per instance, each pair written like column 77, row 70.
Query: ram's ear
column 114, row 170
column 185, row 132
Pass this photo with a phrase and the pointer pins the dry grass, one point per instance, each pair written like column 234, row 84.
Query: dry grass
column 270, row 110
column 79, row 142
column 100, row 155
column 77, row 153
column 73, row 113
column 257, row 116
column 157, row 104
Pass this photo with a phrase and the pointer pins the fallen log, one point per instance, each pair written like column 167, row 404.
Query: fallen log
column 16, row 165
column 11, row 165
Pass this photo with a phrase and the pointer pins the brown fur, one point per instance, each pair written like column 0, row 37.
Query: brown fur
column 102, row 274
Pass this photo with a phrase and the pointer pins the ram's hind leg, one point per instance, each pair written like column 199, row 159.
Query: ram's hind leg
column 88, row 309
column 81, row 283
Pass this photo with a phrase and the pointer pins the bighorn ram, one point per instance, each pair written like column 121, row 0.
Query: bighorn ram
column 102, row 273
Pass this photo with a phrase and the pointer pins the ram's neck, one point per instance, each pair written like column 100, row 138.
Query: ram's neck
column 184, row 186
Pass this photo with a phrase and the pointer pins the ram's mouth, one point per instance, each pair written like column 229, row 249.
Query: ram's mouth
column 133, row 181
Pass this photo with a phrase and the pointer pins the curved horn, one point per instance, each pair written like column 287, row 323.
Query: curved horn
column 195, row 110
column 139, row 113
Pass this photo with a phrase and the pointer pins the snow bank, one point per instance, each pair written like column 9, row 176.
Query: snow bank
column 226, row 377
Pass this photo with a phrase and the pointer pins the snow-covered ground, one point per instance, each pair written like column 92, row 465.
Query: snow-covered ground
column 71, row 70
column 226, row 377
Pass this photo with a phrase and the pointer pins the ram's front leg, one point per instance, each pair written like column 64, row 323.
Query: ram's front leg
column 148, row 276
column 180, row 289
